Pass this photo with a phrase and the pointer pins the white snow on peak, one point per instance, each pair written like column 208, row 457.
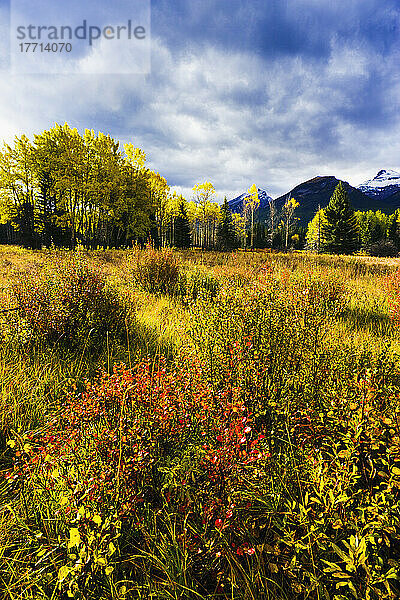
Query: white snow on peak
column 384, row 178
column 383, row 185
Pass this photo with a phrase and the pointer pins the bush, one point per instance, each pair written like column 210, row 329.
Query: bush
column 152, row 479
column 157, row 271
column 67, row 303
column 136, row 452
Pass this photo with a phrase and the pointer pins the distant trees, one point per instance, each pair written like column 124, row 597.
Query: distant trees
column 288, row 217
column 251, row 204
column 182, row 233
column 206, row 217
column 65, row 188
column 227, row 238
column 372, row 228
column 315, row 240
column 340, row 231
column 337, row 229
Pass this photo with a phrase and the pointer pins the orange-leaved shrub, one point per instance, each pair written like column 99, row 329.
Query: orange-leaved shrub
column 67, row 302
column 136, row 449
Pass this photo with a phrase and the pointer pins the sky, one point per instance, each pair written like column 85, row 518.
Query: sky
column 239, row 92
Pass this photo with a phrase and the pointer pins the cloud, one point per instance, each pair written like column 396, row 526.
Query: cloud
column 273, row 114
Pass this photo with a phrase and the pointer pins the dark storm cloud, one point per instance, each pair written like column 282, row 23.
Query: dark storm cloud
column 293, row 27
column 243, row 91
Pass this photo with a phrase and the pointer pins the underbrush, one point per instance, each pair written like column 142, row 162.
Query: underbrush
column 159, row 272
column 65, row 302
column 261, row 461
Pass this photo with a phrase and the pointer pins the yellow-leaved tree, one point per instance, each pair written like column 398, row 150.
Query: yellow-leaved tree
column 250, row 205
column 288, row 217
column 315, row 232
column 203, row 193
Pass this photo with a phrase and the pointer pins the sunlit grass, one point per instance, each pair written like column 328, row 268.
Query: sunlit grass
column 252, row 454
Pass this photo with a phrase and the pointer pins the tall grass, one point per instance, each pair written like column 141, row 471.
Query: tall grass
column 248, row 447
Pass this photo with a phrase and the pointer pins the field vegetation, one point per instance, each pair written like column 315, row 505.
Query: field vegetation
column 199, row 425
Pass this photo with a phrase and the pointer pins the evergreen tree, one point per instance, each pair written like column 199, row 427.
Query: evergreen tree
column 259, row 236
column 182, row 233
column 226, row 233
column 340, row 231
column 393, row 233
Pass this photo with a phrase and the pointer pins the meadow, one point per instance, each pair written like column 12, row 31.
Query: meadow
column 199, row 425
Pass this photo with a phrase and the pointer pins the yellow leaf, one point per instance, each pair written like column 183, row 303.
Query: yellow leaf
column 11, row 443
column 63, row 573
column 109, row 570
column 101, row 561
column 74, row 537
column 111, row 548
column 55, row 473
column 97, row 519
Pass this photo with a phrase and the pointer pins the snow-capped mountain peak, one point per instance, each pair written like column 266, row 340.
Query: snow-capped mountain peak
column 236, row 204
column 383, row 185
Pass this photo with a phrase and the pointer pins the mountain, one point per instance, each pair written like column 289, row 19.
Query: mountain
column 383, row 185
column 236, row 205
column 318, row 191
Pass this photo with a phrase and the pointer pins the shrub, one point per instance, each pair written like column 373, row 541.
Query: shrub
column 157, row 271
column 153, row 479
column 136, row 451
column 67, row 302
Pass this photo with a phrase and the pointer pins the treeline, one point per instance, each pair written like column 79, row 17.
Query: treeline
column 66, row 189
column 339, row 229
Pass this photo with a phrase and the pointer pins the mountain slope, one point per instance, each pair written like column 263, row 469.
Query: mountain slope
column 383, row 185
column 318, row 191
column 236, row 205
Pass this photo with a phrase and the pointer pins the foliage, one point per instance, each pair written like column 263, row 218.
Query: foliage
column 383, row 248
column 65, row 188
column 251, row 203
column 373, row 228
column 197, row 284
column 182, row 234
column 226, row 234
column 261, row 460
column 340, row 231
column 157, row 271
column 288, row 218
column 67, row 302
column 207, row 214
column 315, row 232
